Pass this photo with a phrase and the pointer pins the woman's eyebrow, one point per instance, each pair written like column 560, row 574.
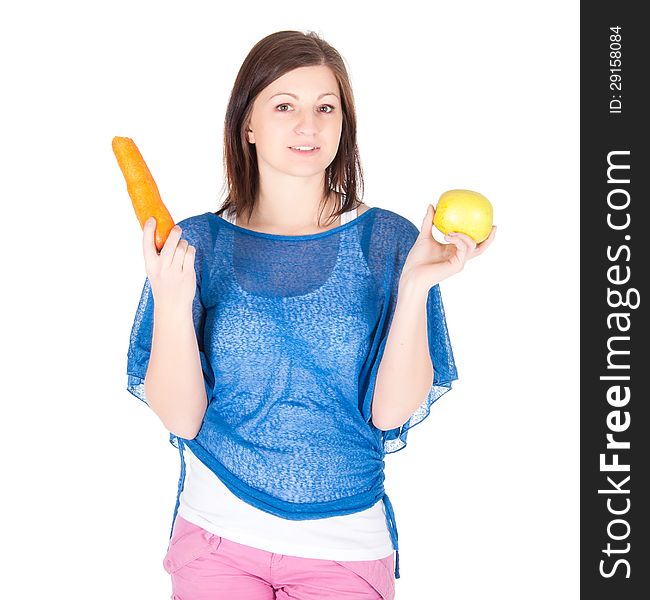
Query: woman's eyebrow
column 296, row 97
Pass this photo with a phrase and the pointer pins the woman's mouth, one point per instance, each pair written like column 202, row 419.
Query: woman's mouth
column 305, row 150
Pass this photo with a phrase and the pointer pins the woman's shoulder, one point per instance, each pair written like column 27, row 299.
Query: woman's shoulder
column 389, row 221
column 362, row 208
column 198, row 229
column 202, row 223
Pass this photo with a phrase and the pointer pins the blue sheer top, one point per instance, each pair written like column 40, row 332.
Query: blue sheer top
column 291, row 331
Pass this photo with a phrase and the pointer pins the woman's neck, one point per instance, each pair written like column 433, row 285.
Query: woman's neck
column 291, row 218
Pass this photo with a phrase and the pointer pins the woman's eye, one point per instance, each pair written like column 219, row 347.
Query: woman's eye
column 331, row 108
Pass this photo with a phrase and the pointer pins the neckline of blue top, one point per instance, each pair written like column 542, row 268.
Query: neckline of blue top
column 309, row 236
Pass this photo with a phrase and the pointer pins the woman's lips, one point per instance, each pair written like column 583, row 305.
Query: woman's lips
column 305, row 152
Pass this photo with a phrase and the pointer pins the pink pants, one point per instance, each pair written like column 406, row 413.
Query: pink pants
column 204, row 566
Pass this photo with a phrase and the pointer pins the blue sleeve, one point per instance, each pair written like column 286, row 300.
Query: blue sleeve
column 140, row 343
column 142, row 330
column 444, row 371
column 440, row 350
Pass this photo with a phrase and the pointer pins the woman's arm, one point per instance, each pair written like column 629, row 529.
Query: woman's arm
column 174, row 384
column 405, row 373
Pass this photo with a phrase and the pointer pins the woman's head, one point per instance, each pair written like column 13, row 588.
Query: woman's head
column 301, row 63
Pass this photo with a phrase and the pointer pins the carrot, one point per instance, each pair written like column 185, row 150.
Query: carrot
column 142, row 188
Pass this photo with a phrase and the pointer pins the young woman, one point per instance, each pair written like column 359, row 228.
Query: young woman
column 287, row 354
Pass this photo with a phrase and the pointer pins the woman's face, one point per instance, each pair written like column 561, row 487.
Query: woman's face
column 301, row 108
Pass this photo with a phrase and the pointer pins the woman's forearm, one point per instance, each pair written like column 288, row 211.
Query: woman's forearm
column 174, row 384
column 405, row 373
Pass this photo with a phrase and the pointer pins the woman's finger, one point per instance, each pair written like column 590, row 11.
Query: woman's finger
column 483, row 246
column 426, row 229
column 462, row 247
column 179, row 255
column 471, row 243
column 188, row 262
column 148, row 244
column 167, row 252
column 468, row 243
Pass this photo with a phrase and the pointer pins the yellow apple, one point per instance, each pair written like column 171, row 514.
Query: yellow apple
column 466, row 212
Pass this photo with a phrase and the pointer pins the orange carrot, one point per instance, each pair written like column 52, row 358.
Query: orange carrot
column 142, row 188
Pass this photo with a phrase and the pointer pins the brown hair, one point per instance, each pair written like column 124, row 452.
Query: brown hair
column 269, row 59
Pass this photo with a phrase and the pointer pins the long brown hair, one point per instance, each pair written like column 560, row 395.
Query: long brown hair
column 269, row 59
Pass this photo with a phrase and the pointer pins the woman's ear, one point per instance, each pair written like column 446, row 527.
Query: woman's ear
column 249, row 136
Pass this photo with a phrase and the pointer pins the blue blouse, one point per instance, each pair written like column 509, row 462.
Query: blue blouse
column 291, row 331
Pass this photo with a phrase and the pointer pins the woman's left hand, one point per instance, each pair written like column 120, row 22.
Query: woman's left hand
column 429, row 261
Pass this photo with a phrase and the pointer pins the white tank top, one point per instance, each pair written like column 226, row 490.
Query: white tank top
column 208, row 503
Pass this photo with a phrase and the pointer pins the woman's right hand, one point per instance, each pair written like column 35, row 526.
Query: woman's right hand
column 171, row 273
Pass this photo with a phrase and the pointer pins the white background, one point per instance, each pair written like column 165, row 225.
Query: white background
column 477, row 95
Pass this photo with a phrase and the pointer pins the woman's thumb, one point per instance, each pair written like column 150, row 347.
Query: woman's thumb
column 427, row 222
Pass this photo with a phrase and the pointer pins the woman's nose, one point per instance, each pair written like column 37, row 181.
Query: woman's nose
column 306, row 124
